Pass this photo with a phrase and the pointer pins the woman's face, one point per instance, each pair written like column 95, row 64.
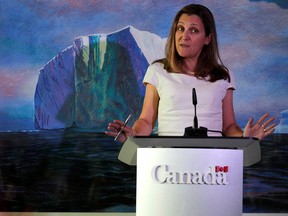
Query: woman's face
column 190, row 36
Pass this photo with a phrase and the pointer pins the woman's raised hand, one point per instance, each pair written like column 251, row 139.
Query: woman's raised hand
column 262, row 128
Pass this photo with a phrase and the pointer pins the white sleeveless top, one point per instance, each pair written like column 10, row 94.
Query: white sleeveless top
column 176, row 110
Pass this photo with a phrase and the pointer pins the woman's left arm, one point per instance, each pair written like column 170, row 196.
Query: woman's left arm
column 230, row 127
column 262, row 128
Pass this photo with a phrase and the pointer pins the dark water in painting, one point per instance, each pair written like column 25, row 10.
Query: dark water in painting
column 78, row 171
column 266, row 183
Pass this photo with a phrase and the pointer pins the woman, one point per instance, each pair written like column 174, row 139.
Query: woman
column 192, row 61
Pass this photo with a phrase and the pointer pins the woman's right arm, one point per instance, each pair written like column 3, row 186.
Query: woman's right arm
column 145, row 124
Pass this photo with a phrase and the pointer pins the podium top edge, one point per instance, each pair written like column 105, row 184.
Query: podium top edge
column 187, row 137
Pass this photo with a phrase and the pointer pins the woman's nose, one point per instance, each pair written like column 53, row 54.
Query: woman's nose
column 185, row 35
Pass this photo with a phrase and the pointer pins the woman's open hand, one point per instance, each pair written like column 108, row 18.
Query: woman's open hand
column 262, row 128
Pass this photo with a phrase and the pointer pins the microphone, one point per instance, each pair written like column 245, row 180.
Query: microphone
column 195, row 131
column 194, row 100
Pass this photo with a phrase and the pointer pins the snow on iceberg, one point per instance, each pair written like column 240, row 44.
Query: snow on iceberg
column 283, row 125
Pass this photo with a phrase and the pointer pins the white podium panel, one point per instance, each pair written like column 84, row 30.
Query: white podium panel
column 188, row 182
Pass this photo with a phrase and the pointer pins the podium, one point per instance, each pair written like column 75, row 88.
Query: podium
column 189, row 176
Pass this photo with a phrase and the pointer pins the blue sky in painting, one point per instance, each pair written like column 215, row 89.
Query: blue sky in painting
column 281, row 3
column 253, row 38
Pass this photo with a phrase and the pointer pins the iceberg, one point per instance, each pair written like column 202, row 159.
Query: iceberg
column 97, row 79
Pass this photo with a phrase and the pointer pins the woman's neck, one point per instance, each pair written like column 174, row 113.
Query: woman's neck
column 189, row 66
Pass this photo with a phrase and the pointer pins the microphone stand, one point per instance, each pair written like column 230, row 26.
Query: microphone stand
column 195, row 131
